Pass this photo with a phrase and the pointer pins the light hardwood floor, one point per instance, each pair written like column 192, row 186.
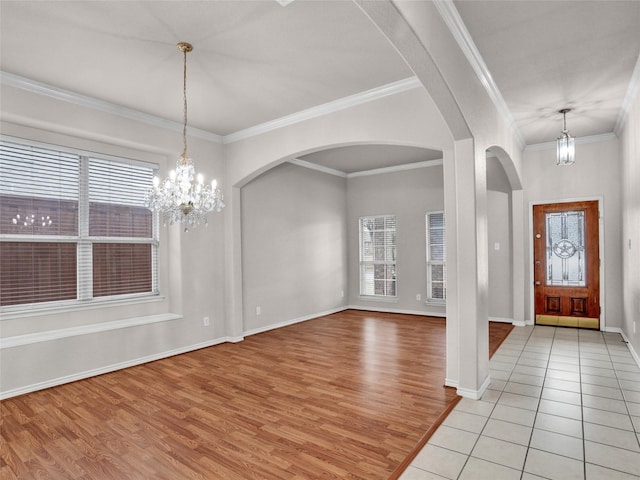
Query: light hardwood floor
column 346, row 396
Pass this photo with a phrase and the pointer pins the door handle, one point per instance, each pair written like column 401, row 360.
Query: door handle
column 538, row 283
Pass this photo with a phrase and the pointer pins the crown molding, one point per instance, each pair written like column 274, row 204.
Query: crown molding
column 319, row 168
column 364, row 173
column 632, row 93
column 57, row 93
column 46, row 90
column 396, row 168
column 326, row 108
column 452, row 19
column 603, row 137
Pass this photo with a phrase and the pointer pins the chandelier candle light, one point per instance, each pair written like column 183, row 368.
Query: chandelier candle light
column 566, row 143
column 183, row 197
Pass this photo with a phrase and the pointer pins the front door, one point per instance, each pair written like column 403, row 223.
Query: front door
column 566, row 264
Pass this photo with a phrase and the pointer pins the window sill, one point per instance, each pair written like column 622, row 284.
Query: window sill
column 13, row 312
column 378, row 298
column 436, row 303
column 31, row 338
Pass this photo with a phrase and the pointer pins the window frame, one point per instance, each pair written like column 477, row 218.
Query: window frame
column 430, row 262
column 373, row 263
column 84, row 242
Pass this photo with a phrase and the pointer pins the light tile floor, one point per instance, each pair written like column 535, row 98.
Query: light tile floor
column 563, row 404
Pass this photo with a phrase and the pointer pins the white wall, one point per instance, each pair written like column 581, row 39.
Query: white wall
column 409, row 195
column 595, row 175
column 191, row 265
column 294, row 246
column 500, row 277
column 630, row 238
column 409, row 118
column 405, row 118
column 499, row 231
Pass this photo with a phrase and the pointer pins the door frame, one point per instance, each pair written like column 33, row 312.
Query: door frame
column 532, row 303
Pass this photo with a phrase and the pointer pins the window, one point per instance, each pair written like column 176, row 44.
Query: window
column 378, row 256
column 73, row 227
column 436, row 258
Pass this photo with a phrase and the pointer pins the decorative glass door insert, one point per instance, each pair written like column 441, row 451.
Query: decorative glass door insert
column 565, row 249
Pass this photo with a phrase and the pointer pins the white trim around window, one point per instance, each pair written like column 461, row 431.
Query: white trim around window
column 377, row 247
column 436, row 258
column 76, row 229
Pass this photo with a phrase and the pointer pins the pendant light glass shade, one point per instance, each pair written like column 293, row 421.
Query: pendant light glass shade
column 566, row 144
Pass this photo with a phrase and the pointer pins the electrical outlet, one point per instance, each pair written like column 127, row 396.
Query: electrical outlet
column 342, row 293
column 205, row 321
column 418, row 297
column 258, row 311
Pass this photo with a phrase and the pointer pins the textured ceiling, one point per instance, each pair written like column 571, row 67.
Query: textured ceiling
column 257, row 61
column 548, row 55
column 253, row 61
column 357, row 158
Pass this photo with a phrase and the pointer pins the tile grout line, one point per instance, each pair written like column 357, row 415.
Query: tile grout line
column 584, row 444
column 624, row 396
column 493, row 408
column 535, row 417
column 590, row 349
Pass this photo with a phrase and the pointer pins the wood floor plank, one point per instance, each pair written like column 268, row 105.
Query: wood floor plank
column 346, row 396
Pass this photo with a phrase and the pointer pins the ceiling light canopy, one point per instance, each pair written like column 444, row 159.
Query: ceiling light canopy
column 566, row 143
column 183, row 197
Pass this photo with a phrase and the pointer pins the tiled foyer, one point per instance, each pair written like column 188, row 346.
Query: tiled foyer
column 563, row 404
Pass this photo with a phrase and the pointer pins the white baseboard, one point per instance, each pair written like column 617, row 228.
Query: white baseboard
column 475, row 394
column 107, row 369
column 501, row 320
column 235, row 339
column 450, row 383
column 397, row 310
column 634, row 354
column 293, row 321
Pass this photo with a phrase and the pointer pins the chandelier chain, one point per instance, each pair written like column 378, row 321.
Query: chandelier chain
column 564, row 112
column 184, row 95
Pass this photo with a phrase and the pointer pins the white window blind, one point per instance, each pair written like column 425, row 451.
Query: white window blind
column 378, row 256
column 73, row 227
column 121, row 228
column 38, row 224
column 436, row 257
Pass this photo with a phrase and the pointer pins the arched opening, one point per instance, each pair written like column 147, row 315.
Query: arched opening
column 504, row 211
column 300, row 237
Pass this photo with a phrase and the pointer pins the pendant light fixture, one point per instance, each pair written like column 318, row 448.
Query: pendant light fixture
column 566, row 143
column 183, row 197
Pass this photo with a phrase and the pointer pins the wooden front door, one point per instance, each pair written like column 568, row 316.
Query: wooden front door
column 566, row 264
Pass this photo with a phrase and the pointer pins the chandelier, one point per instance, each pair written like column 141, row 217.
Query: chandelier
column 566, row 143
column 183, row 197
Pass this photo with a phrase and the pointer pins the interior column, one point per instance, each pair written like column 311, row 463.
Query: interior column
column 472, row 268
